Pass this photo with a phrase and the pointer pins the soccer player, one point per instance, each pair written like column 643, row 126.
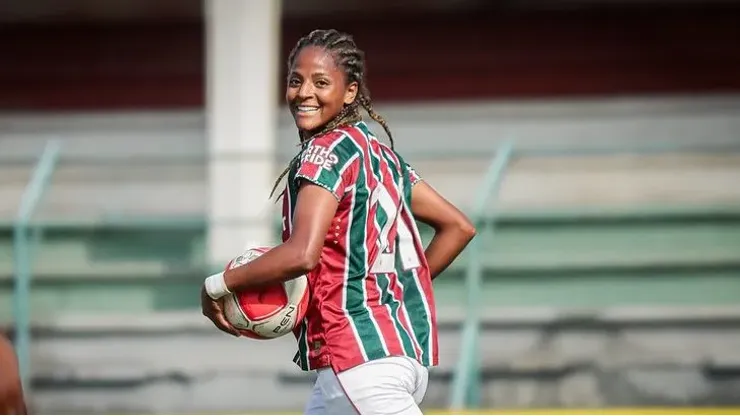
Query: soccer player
column 11, row 392
column 349, row 211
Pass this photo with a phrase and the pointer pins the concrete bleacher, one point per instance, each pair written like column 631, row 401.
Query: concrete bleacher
column 690, row 254
column 157, row 160
column 112, row 334
column 536, row 357
column 598, row 264
column 131, row 190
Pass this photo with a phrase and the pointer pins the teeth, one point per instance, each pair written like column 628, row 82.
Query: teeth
column 307, row 109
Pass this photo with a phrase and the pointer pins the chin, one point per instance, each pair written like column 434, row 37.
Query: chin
column 308, row 125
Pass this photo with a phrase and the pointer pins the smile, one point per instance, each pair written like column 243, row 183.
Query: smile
column 306, row 110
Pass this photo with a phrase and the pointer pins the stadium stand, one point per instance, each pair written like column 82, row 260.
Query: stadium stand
column 602, row 259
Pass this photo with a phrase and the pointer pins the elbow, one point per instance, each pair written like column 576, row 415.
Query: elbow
column 307, row 263
column 467, row 230
column 307, row 260
column 461, row 228
column 302, row 255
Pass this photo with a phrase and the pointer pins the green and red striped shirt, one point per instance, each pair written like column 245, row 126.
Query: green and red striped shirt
column 371, row 294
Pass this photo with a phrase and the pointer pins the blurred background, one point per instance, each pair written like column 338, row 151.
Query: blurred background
column 595, row 143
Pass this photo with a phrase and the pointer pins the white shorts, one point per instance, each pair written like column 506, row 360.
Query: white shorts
column 387, row 386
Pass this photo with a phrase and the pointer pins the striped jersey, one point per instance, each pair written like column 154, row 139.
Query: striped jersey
column 371, row 293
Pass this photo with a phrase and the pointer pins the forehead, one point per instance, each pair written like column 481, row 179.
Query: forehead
column 314, row 59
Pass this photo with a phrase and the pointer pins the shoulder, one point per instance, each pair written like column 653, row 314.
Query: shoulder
column 333, row 151
column 330, row 138
column 342, row 143
column 358, row 133
column 337, row 140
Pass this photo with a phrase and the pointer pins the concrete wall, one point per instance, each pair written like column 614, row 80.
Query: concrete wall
column 450, row 144
column 534, row 358
column 466, row 128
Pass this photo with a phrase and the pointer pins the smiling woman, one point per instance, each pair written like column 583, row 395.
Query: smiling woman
column 314, row 99
column 326, row 86
column 350, row 207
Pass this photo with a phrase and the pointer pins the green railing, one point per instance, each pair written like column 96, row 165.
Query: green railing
column 465, row 383
column 465, row 389
column 23, row 242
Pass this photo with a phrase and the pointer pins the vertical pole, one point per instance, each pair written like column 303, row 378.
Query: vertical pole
column 242, row 38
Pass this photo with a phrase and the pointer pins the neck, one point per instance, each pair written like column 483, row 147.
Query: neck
column 306, row 135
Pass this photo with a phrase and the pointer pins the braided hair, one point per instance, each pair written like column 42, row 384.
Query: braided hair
column 351, row 60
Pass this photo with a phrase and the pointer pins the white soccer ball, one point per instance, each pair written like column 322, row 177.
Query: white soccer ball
column 270, row 312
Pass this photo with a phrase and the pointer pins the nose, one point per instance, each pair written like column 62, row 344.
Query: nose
column 306, row 90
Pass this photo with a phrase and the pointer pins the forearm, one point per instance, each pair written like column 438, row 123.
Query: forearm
column 444, row 248
column 282, row 263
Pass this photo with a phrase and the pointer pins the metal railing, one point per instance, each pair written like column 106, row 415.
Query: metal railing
column 23, row 243
column 465, row 389
column 465, row 384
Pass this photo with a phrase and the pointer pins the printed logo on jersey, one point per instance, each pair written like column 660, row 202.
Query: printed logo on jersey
column 319, row 156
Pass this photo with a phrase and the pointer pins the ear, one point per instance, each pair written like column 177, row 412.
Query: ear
column 350, row 93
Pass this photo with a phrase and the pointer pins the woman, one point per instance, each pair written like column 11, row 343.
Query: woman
column 349, row 210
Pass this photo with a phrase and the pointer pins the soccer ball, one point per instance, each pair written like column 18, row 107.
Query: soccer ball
column 270, row 312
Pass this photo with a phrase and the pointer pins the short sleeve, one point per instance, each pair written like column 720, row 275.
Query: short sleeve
column 414, row 176
column 328, row 162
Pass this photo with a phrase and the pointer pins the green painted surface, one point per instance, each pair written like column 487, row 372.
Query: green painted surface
column 613, row 289
column 119, row 296
column 548, row 259
column 516, row 247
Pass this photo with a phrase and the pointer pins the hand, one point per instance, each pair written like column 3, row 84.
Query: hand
column 213, row 310
column 11, row 402
column 11, row 392
column 11, row 396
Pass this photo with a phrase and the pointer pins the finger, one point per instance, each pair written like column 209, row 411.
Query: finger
column 224, row 326
column 220, row 321
column 213, row 310
column 219, row 308
column 22, row 408
column 246, row 333
column 10, row 408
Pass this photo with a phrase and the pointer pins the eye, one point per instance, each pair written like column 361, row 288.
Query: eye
column 294, row 82
column 322, row 83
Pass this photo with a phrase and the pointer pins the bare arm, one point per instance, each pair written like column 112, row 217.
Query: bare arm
column 315, row 209
column 452, row 229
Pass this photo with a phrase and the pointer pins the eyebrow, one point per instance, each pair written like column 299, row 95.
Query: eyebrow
column 313, row 74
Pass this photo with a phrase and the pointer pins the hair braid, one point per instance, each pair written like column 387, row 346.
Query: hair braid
column 351, row 60
column 285, row 172
column 367, row 104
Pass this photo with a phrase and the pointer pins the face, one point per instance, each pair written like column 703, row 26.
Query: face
column 317, row 89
